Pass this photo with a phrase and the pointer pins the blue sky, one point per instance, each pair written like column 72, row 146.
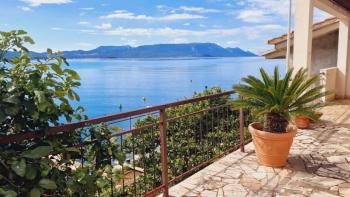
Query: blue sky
column 86, row 24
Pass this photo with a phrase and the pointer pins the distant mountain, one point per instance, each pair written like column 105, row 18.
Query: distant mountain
column 156, row 51
column 239, row 52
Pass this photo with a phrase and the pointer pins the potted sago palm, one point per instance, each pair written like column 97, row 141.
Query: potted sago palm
column 303, row 122
column 277, row 101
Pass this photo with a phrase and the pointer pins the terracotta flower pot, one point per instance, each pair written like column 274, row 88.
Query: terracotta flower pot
column 302, row 122
column 272, row 149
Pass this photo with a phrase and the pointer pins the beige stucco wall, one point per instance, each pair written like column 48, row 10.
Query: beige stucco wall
column 324, row 52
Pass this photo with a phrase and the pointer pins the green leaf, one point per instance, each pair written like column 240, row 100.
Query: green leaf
column 37, row 152
column 21, row 32
column 47, row 184
column 115, row 128
column 30, row 172
column 40, row 95
column 49, row 51
column 60, row 93
column 2, row 116
column 19, row 167
column 28, row 39
column 65, row 61
column 7, row 193
column 12, row 99
column 77, row 116
column 76, row 96
column 80, row 108
column 56, row 68
column 73, row 74
column 101, row 182
column 72, row 149
column 45, row 167
column 121, row 157
column 71, row 95
column 35, row 192
column 12, row 110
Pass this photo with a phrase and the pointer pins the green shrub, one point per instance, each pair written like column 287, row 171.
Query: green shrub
column 190, row 141
column 34, row 94
column 37, row 94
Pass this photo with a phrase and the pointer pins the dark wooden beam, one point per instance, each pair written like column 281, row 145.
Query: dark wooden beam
column 344, row 3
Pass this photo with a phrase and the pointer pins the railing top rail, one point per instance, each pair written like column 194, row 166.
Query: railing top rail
column 68, row 127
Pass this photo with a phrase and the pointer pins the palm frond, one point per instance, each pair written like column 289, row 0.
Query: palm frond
column 287, row 95
column 266, row 78
column 246, row 104
column 276, row 77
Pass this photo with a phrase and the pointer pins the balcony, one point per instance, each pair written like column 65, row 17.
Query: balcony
column 143, row 152
column 191, row 148
column 319, row 165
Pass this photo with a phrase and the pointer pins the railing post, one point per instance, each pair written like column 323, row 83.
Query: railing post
column 163, row 152
column 241, row 129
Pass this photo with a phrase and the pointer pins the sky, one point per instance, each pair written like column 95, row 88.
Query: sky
column 87, row 24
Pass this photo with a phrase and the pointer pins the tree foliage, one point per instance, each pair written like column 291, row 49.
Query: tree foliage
column 38, row 94
column 191, row 140
column 35, row 95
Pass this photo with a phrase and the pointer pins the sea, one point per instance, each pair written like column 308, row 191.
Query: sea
column 111, row 86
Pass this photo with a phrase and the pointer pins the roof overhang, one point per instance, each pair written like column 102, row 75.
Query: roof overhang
column 337, row 8
column 323, row 26
column 275, row 54
column 280, row 43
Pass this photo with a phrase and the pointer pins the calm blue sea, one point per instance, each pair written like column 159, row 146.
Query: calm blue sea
column 133, row 84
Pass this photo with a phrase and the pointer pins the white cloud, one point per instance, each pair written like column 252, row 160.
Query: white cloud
column 104, row 26
column 164, row 8
column 277, row 7
column 90, row 31
column 83, row 23
column 168, row 32
column 179, row 40
column 40, row 2
column 261, row 31
column 232, row 43
column 132, row 43
column 176, row 33
column 186, row 24
column 253, row 16
column 200, row 10
column 87, row 9
column 123, row 14
column 26, row 9
column 262, row 11
column 272, row 10
column 56, row 28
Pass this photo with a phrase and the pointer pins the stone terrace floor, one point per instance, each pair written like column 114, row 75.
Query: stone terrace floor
column 318, row 165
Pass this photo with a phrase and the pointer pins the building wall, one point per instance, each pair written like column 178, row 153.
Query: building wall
column 324, row 52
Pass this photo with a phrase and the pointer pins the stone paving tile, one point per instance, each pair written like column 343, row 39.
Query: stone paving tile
column 318, row 166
